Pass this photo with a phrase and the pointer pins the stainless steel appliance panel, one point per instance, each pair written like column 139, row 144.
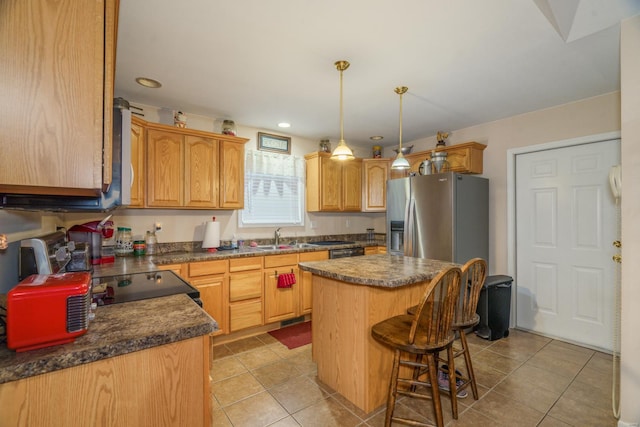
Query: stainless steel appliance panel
column 445, row 216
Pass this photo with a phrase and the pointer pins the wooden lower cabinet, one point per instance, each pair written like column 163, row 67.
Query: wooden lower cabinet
column 166, row 385
column 211, row 280
column 245, row 301
column 306, row 280
column 281, row 303
column 373, row 250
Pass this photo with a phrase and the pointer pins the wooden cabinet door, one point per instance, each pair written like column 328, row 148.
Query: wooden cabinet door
column 231, row 175
column 306, row 280
column 137, row 163
column 165, row 168
column 330, row 184
column 352, row 185
column 212, row 295
column 201, row 172
column 281, row 303
column 376, row 173
column 54, row 83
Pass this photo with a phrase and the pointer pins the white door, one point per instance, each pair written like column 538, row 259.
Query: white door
column 565, row 224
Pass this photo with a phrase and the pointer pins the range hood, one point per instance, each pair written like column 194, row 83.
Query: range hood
column 118, row 194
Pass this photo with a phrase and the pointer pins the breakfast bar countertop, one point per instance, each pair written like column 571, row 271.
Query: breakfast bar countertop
column 116, row 330
column 380, row 270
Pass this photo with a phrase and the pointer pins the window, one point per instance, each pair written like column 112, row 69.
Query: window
column 273, row 190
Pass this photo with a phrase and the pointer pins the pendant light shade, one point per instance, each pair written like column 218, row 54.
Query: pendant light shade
column 342, row 151
column 400, row 163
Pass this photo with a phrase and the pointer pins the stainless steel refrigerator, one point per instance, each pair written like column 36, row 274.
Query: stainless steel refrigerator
column 443, row 216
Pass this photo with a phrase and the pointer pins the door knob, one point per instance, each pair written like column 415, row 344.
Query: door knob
column 617, row 258
column 617, row 243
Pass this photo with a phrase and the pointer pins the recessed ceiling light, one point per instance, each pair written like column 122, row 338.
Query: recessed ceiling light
column 376, row 138
column 284, row 125
column 147, row 82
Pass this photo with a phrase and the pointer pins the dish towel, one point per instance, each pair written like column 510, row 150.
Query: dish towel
column 286, row 280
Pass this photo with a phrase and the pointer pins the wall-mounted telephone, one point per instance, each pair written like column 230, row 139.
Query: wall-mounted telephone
column 615, row 180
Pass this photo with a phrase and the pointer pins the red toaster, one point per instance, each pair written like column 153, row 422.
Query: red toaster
column 48, row 309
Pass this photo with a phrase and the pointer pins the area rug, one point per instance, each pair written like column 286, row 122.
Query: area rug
column 294, row 336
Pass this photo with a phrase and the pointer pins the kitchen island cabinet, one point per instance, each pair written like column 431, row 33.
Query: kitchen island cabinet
column 349, row 296
column 142, row 363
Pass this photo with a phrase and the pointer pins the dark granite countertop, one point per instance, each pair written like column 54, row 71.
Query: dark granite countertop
column 388, row 271
column 131, row 264
column 117, row 329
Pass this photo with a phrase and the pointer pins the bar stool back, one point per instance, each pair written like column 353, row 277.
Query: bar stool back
column 422, row 335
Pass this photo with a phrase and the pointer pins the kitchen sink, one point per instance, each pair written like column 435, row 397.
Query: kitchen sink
column 280, row 247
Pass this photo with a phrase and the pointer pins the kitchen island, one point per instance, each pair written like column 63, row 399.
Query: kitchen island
column 141, row 363
column 349, row 296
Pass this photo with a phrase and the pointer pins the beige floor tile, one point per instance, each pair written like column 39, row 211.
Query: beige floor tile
column 219, row 419
column 226, row 368
column 537, row 377
column 600, row 379
column 577, row 413
column 258, row 357
column 267, row 338
column 245, row 344
column 487, row 376
column 298, row 393
column 551, row 362
column 326, row 413
column 284, row 352
column 568, row 352
column 497, row 361
column 601, row 361
column 589, row 396
column 507, row 411
column 519, row 347
column 549, row 421
column 276, row 373
column 220, row 351
column 285, row 422
column 401, row 411
column 256, row 411
column 236, row 388
column 534, row 397
column 472, row 418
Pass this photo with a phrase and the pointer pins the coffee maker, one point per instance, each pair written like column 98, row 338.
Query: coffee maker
column 92, row 233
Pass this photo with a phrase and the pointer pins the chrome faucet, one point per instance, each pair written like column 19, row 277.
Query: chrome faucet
column 277, row 237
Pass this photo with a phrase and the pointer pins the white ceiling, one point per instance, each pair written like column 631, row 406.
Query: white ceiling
column 465, row 62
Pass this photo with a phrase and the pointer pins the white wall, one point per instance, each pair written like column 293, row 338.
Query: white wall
column 630, row 314
column 590, row 116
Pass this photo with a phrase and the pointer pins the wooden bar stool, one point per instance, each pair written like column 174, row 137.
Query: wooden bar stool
column 422, row 335
column 474, row 273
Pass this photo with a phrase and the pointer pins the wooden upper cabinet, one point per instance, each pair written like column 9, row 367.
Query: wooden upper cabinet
column 193, row 169
column 56, row 80
column 138, row 137
column 231, row 175
column 165, row 168
column 375, row 173
column 463, row 158
column 333, row 185
column 201, row 172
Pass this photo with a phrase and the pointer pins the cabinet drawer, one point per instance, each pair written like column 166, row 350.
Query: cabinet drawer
column 280, row 260
column 314, row 256
column 245, row 286
column 244, row 264
column 245, row 315
column 205, row 268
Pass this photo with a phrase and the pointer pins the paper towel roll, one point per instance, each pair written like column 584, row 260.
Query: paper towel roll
column 211, row 235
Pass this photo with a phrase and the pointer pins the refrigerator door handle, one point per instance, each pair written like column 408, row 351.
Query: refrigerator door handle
column 409, row 225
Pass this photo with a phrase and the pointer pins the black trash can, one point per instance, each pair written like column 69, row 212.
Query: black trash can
column 494, row 308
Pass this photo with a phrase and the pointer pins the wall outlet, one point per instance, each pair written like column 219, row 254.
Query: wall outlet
column 157, row 227
column 314, row 224
column 348, row 224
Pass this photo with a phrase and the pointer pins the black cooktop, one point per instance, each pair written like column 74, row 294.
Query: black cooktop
column 332, row 242
column 138, row 286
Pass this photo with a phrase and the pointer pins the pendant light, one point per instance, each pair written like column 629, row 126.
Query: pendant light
column 400, row 163
column 342, row 151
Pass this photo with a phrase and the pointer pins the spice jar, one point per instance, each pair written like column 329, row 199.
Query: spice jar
column 124, row 242
column 151, row 241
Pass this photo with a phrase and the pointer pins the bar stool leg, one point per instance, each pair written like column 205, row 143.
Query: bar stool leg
column 435, row 390
column 393, row 387
column 453, row 387
column 467, row 361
